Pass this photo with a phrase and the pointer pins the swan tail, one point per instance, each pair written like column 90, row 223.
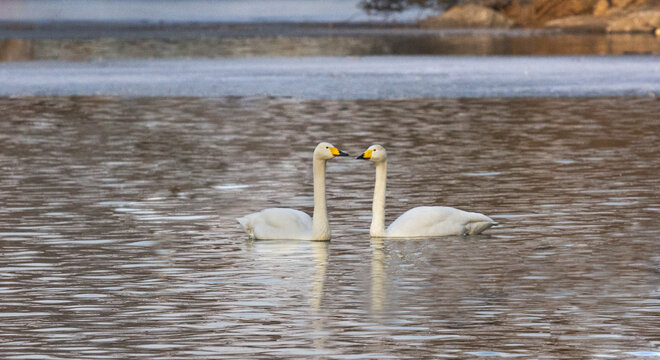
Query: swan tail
column 480, row 224
column 478, row 227
column 246, row 224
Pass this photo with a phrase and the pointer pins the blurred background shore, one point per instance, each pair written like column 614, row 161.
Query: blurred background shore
column 94, row 30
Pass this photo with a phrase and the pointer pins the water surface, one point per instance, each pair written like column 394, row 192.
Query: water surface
column 118, row 236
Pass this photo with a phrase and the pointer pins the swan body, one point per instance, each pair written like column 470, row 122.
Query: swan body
column 283, row 223
column 427, row 221
column 278, row 223
column 423, row 221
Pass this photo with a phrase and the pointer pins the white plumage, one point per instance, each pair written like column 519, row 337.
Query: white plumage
column 423, row 221
column 278, row 223
column 283, row 223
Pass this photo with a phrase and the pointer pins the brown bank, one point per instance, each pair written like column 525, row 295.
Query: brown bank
column 638, row 16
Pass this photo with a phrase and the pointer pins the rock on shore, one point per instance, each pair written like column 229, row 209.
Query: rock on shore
column 576, row 15
column 468, row 16
column 637, row 21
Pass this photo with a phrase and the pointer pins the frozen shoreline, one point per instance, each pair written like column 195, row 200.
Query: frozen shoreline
column 341, row 77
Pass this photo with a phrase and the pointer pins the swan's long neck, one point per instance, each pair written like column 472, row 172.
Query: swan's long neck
column 378, row 206
column 320, row 225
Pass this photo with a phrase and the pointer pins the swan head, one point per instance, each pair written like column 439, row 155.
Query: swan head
column 375, row 153
column 327, row 151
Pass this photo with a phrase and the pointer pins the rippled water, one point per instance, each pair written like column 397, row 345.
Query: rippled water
column 118, row 236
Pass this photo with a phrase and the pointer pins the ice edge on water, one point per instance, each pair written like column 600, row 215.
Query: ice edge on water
column 369, row 77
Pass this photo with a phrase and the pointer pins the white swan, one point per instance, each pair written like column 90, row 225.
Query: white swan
column 423, row 221
column 281, row 223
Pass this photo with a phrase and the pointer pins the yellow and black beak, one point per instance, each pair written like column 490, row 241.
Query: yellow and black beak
column 337, row 152
column 366, row 155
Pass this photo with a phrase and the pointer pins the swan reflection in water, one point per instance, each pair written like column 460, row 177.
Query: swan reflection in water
column 293, row 259
column 378, row 277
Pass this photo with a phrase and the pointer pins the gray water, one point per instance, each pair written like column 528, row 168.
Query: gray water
column 118, row 238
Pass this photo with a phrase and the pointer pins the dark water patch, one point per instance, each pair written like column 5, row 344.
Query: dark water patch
column 296, row 41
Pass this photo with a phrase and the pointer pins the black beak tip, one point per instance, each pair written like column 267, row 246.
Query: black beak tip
column 341, row 153
column 360, row 157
